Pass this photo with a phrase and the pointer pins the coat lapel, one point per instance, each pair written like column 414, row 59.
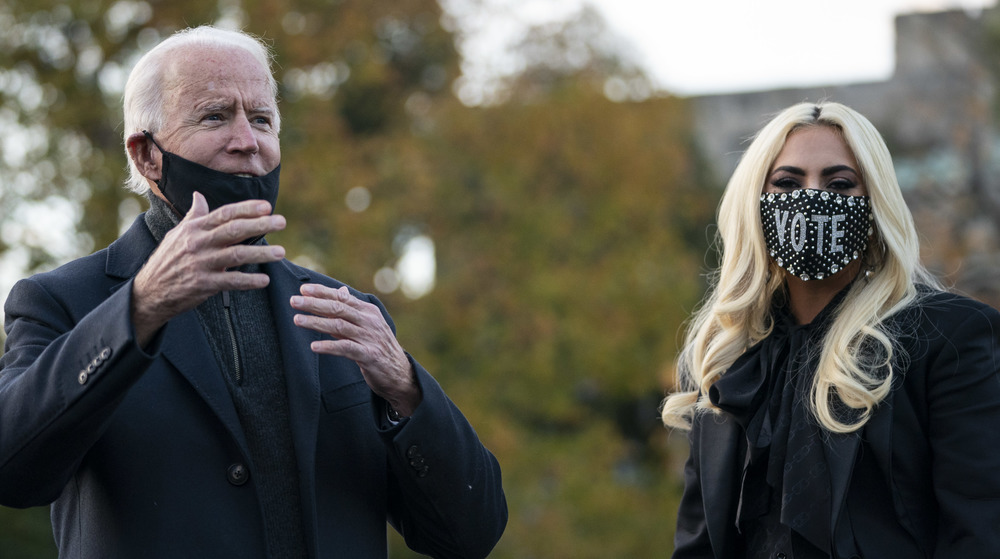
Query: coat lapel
column 300, row 363
column 187, row 349
column 841, row 451
column 721, row 449
column 301, row 378
column 183, row 344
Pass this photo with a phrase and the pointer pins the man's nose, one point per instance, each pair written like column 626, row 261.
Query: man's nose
column 243, row 139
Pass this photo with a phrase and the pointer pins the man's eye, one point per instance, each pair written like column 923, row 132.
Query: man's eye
column 214, row 117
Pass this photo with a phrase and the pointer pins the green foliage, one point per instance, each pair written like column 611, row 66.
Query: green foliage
column 565, row 270
column 25, row 534
column 569, row 230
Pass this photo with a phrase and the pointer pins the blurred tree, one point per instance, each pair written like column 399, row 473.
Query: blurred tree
column 571, row 231
column 568, row 224
column 60, row 77
column 986, row 186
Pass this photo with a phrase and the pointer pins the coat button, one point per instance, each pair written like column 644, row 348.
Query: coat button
column 105, row 354
column 82, row 377
column 417, row 461
column 238, row 474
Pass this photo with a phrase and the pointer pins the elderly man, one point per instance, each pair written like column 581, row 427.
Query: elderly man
column 187, row 392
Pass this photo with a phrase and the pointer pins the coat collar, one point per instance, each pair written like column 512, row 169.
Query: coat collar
column 130, row 251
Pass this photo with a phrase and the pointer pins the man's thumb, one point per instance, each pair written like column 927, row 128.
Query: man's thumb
column 199, row 206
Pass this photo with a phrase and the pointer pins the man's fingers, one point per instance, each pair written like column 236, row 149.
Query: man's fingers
column 238, row 255
column 239, row 281
column 324, row 307
column 341, row 295
column 225, row 233
column 333, row 303
column 335, row 327
column 218, row 282
column 231, row 223
column 238, row 210
column 342, row 348
column 319, row 290
column 243, row 228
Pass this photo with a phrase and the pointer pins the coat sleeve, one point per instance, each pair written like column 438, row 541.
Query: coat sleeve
column 963, row 398
column 691, row 539
column 62, row 375
column 445, row 491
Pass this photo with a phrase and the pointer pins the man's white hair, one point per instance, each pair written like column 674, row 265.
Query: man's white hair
column 143, row 98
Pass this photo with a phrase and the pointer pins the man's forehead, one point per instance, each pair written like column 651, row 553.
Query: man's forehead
column 205, row 68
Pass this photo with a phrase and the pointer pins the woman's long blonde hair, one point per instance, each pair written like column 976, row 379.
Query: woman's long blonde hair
column 855, row 364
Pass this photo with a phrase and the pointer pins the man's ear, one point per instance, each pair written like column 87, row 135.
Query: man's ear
column 145, row 155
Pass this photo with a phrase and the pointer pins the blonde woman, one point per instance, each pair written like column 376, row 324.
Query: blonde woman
column 839, row 403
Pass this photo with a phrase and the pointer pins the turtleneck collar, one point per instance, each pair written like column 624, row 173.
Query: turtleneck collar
column 160, row 218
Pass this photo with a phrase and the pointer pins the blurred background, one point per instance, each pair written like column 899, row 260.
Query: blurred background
column 529, row 186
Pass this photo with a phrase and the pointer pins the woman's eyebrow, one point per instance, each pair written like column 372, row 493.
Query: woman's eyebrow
column 789, row 169
column 832, row 170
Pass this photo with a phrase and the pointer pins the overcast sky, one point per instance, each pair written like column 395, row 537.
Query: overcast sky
column 693, row 47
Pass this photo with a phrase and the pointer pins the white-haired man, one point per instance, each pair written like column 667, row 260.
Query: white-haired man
column 187, row 392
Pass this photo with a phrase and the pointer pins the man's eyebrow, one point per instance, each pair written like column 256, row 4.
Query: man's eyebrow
column 213, row 106
column 223, row 106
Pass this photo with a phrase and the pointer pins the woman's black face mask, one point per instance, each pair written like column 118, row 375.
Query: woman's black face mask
column 181, row 178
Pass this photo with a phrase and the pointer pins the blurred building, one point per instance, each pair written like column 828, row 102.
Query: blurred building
column 939, row 114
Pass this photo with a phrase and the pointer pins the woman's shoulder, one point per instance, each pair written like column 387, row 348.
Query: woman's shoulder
column 939, row 319
column 947, row 307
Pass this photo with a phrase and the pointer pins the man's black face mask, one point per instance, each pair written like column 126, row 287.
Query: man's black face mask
column 181, row 178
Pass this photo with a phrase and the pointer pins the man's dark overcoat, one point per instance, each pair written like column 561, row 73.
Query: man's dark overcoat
column 142, row 454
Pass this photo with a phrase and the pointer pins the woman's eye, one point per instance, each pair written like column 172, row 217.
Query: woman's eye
column 841, row 184
column 785, row 182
